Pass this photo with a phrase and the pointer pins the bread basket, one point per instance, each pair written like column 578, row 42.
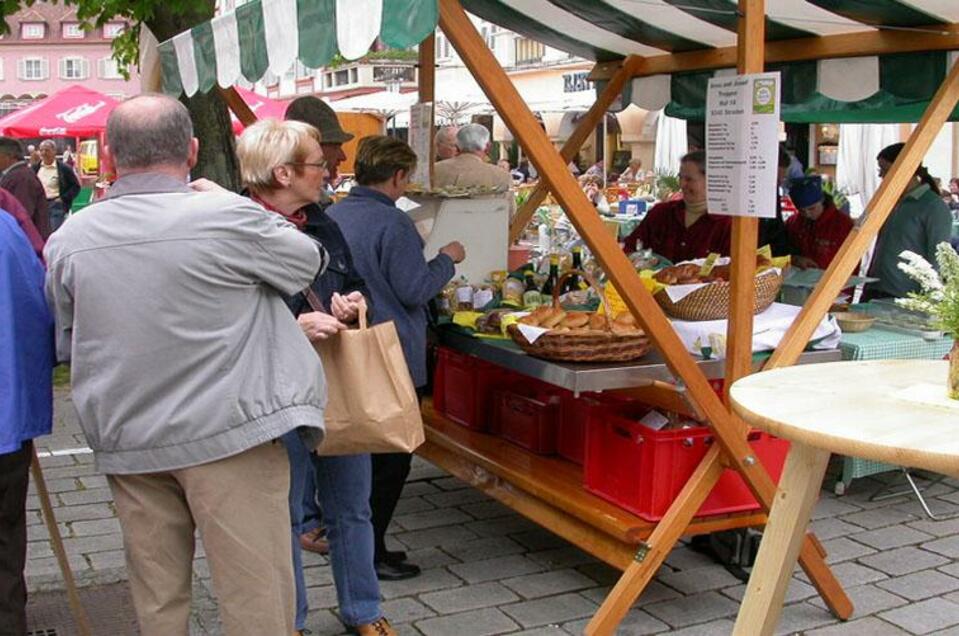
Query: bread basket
column 711, row 301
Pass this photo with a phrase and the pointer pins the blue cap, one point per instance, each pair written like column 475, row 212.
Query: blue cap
column 806, row 191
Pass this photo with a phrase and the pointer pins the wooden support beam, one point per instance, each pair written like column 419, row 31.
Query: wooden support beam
column 729, row 432
column 572, row 145
column 239, row 107
column 878, row 210
column 426, row 78
column 939, row 37
column 751, row 39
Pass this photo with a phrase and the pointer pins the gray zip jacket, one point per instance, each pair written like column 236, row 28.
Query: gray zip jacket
column 168, row 306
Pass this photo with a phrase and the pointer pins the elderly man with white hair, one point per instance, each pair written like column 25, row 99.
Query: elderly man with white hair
column 471, row 168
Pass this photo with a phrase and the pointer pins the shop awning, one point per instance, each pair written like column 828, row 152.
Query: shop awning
column 890, row 88
column 73, row 112
column 269, row 35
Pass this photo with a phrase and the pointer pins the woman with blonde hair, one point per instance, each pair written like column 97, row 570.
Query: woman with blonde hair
column 282, row 165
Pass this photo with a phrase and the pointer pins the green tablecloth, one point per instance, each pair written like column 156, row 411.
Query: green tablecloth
column 879, row 344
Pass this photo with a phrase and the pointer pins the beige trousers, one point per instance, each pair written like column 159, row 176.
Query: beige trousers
column 241, row 507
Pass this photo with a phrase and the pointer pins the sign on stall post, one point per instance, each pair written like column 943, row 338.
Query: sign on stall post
column 421, row 140
column 742, row 144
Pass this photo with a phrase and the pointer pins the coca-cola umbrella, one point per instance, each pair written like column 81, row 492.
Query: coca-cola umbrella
column 262, row 107
column 73, row 112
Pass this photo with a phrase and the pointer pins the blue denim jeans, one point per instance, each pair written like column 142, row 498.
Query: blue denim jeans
column 343, row 488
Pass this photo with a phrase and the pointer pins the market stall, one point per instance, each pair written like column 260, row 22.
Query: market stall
column 669, row 48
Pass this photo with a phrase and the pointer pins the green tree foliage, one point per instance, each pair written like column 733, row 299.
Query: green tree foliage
column 164, row 18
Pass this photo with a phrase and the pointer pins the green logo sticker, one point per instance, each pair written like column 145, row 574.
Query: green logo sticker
column 764, row 96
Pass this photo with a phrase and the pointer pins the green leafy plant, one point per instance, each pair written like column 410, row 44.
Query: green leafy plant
column 938, row 295
column 667, row 184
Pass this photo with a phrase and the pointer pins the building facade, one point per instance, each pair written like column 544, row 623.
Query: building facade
column 47, row 50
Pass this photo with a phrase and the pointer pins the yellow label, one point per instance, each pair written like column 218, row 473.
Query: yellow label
column 614, row 300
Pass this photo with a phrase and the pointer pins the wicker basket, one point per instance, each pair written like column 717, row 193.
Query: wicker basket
column 711, row 302
column 583, row 347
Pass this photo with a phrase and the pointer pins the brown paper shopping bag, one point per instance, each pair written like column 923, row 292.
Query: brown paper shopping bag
column 372, row 405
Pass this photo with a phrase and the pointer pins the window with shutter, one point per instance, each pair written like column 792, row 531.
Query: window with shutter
column 44, row 68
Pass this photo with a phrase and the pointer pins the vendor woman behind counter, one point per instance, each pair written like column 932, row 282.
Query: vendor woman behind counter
column 682, row 230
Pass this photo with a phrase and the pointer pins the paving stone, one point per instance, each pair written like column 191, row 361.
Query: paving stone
column 831, row 527
column 99, row 543
column 58, row 461
column 95, row 527
column 484, row 622
column 70, row 471
column 843, row 549
column 67, row 484
column 903, row 561
column 423, row 470
column 411, row 505
column 93, row 495
column 601, row 573
column 418, row 489
column 689, row 610
column 879, row 518
column 799, row 617
column 684, row 558
column 322, row 597
column 538, row 539
column 925, row 616
column 103, row 510
column 469, row 597
column 797, row 591
column 548, row 630
column 105, row 560
column 504, row 525
column 892, row 537
column 921, row 585
column 457, row 498
column 485, row 548
column 486, row 510
column 495, row 569
column 436, row 537
column 427, row 581
column 563, row 557
column 449, row 483
column 548, row 583
column 431, row 519
column 550, row 610
column 946, row 546
column 39, row 550
column 942, row 528
column 429, row 558
column 869, row 625
column 405, row 610
column 721, row 627
column 867, row 599
column 635, row 623
column 939, row 507
column 699, row 580
column 94, row 481
column 325, row 622
column 829, row 506
column 655, row 592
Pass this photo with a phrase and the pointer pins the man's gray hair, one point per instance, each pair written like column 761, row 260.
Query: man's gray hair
column 149, row 130
column 47, row 143
column 472, row 138
column 11, row 147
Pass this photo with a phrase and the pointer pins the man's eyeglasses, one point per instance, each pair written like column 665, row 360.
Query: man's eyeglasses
column 322, row 165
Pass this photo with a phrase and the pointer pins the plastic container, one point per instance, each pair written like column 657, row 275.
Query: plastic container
column 573, row 418
column 463, row 386
column 632, row 207
column 642, row 470
column 528, row 421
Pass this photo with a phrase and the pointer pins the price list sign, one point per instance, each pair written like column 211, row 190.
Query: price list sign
column 742, row 144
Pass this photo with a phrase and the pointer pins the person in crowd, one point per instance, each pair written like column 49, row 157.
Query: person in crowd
column 26, row 407
column 18, row 179
column 918, row 223
column 527, row 170
column 60, row 183
column 634, row 171
column 471, row 166
column 10, row 206
column 68, row 157
column 953, row 194
column 317, row 113
column 445, row 142
column 33, row 156
column 818, row 231
column 388, row 254
column 597, row 170
column 595, row 191
column 283, row 165
column 683, row 229
column 504, row 165
column 795, row 169
column 772, row 230
column 187, row 370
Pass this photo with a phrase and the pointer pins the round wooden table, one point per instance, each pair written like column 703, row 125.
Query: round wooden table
column 894, row 411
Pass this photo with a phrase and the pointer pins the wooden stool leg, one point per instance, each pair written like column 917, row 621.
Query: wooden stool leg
column 782, row 540
column 655, row 550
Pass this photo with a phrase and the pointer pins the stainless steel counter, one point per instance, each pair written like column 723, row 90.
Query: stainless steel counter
column 581, row 377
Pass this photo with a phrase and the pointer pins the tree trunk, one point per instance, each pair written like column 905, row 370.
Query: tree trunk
column 211, row 119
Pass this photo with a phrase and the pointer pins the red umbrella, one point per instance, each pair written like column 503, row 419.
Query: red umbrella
column 262, row 107
column 73, row 112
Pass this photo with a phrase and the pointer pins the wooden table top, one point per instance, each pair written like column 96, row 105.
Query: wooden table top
column 894, row 411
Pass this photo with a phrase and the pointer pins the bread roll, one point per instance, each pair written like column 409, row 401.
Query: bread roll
column 555, row 317
column 597, row 322
column 575, row 320
column 625, row 319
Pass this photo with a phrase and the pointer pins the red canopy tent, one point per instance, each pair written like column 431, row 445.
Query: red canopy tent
column 263, row 107
column 73, row 112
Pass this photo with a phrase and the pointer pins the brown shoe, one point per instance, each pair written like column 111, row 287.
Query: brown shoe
column 315, row 541
column 381, row 627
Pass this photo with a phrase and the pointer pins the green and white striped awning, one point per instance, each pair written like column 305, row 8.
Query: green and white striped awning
column 269, row 35
column 889, row 88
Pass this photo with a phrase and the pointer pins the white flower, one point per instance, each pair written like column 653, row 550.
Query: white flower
column 921, row 271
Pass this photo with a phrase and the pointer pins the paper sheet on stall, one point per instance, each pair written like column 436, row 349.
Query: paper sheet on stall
column 768, row 329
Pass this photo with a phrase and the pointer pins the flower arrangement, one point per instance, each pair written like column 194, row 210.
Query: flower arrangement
column 939, row 291
column 938, row 296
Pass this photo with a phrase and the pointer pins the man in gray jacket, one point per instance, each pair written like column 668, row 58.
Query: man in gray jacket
column 186, row 368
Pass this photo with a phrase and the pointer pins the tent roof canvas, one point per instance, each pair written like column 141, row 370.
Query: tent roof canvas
column 73, row 112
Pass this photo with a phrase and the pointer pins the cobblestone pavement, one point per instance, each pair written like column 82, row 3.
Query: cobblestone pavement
column 487, row 570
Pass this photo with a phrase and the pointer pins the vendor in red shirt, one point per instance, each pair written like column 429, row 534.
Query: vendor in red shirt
column 682, row 230
column 817, row 232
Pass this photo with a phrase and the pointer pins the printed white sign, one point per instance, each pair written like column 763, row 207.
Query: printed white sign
column 421, row 125
column 742, row 144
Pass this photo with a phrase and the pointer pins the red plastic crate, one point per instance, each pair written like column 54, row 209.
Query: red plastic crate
column 463, row 387
column 642, row 470
column 530, row 421
column 575, row 412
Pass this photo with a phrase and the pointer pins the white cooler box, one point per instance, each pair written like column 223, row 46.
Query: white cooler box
column 481, row 224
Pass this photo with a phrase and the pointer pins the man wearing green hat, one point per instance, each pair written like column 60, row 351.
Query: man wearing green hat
column 817, row 232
